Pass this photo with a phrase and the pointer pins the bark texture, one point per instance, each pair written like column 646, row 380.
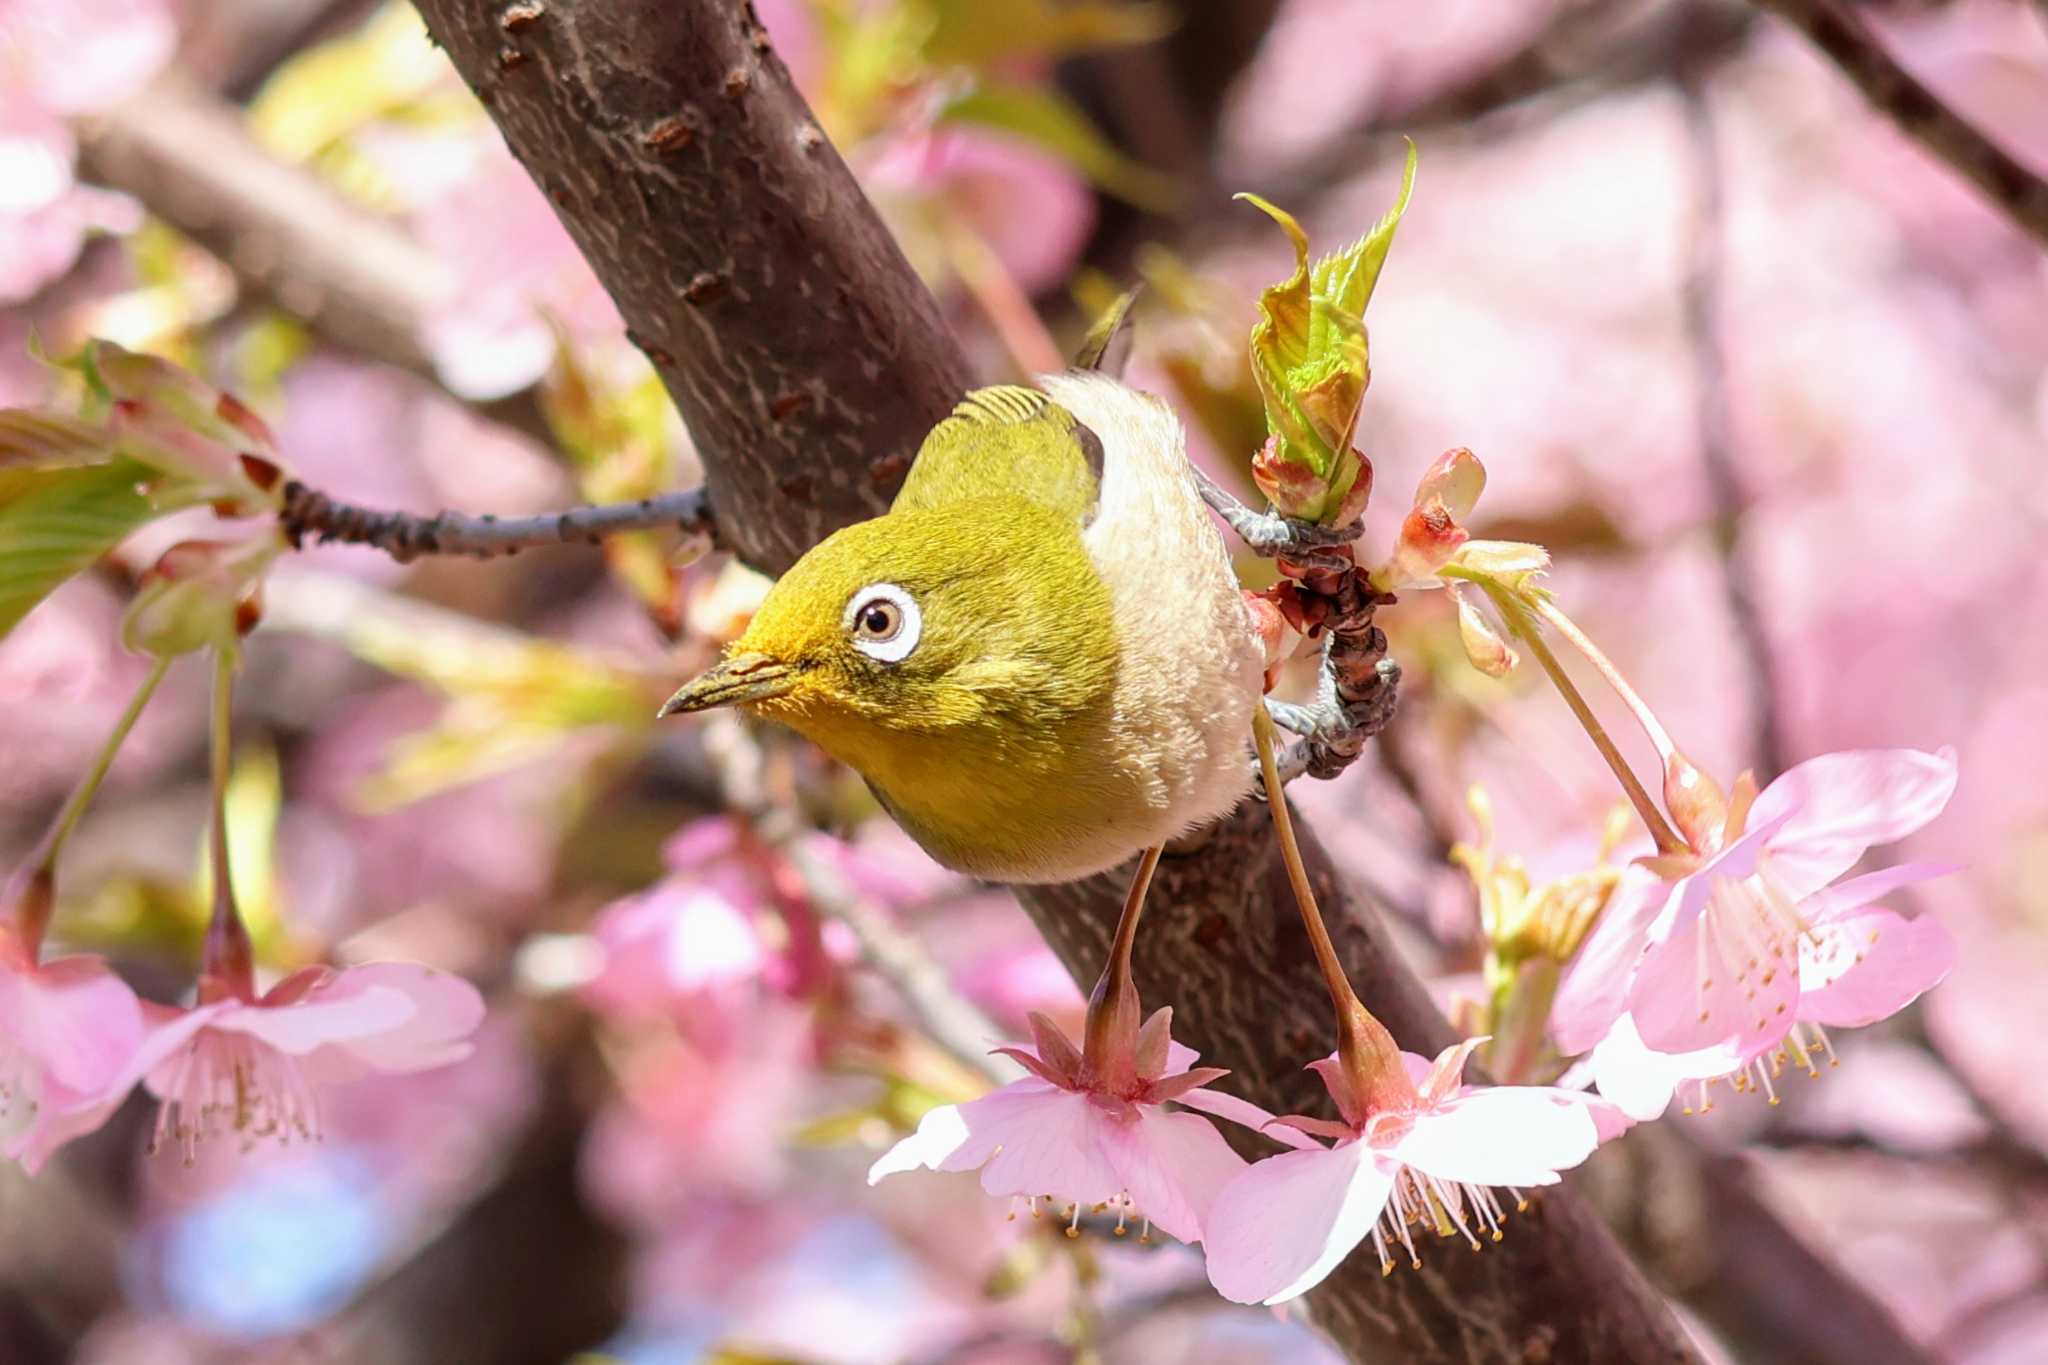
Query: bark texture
column 804, row 354
column 808, row 361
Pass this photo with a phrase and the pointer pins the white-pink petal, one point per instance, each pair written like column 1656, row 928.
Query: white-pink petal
column 1641, row 1082
column 960, row 1137
column 1859, row 968
column 1838, row 805
column 1500, row 1135
column 1246, row 1114
column 1277, row 1230
column 1715, row 981
column 1172, row 1165
column 1594, row 990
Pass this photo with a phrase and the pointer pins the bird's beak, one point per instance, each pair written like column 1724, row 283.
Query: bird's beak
column 732, row 682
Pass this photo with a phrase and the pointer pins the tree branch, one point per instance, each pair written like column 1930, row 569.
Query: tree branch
column 405, row 536
column 359, row 280
column 2011, row 187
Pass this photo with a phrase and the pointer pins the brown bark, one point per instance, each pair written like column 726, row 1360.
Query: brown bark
column 808, row 361
column 803, row 352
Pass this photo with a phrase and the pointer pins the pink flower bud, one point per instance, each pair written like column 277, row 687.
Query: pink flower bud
column 1455, row 479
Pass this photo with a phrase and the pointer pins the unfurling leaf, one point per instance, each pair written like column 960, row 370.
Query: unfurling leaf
column 1310, row 358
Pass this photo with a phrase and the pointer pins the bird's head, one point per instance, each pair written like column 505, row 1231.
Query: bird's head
column 968, row 624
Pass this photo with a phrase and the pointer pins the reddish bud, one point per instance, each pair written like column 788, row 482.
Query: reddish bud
column 1455, row 478
column 1294, row 489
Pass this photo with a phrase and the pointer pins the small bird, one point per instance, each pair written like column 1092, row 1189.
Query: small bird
column 1039, row 658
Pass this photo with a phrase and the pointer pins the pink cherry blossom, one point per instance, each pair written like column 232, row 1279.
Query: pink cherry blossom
column 1066, row 1134
column 1283, row 1225
column 70, row 1030
column 1753, row 941
column 251, row 1066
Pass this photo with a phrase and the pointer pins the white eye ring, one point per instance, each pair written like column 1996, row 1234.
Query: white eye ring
column 884, row 622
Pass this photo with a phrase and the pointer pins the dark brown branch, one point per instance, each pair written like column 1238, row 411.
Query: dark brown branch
column 405, row 536
column 2010, row 187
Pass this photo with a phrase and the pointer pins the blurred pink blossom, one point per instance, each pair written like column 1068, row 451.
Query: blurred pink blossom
column 517, row 271
column 59, row 59
column 251, row 1066
column 70, row 1031
column 1062, row 1134
column 1287, row 1222
column 1033, row 211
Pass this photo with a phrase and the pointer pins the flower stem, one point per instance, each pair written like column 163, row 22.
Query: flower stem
column 1370, row 1057
column 42, row 864
column 1113, row 1005
column 1660, row 738
column 1518, row 619
column 229, row 957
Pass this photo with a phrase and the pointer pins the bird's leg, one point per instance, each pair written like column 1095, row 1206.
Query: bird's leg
column 1269, row 535
column 1354, row 700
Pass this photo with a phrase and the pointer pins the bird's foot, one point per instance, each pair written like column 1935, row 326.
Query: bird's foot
column 1354, row 702
column 1270, row 535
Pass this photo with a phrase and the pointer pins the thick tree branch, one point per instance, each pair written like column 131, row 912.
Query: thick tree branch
column 803, row 352
column 405, row 536
column 808, row 362
column 2012, row 188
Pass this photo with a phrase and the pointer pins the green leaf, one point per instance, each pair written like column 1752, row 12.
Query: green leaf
column 1344, row 280
column 1050, row 121
column 57, row 523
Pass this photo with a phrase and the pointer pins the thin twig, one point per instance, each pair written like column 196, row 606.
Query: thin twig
column 2011, row 187
column 1716, row 445
column 406, row 536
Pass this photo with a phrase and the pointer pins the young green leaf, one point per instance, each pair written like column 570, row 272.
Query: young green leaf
column 56, row 523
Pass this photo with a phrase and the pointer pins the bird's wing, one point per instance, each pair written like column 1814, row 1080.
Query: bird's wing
column 1008, row 440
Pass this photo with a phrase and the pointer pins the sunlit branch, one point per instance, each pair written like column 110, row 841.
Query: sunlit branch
column 405, row 536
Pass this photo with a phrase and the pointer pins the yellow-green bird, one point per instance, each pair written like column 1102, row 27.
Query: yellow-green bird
column 1039, row 658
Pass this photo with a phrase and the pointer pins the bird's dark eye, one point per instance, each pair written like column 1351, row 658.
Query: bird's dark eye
column 884, row 622
column 880, row 621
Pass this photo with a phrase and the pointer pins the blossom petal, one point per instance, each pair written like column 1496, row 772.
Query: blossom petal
column 960, row 1137
column 1057, row 1148
column 1870, row 965
column 1641, row 1082
column 1838, row 805
column 1277, row 1230
column 1501, row 1135
column 1173, row 1166
column 318, row 1022
column 1594, row 991
column 1725, row 975
column 76, row 1018
column 1245, row 1113
column 446, row 1010
column 1846, row 898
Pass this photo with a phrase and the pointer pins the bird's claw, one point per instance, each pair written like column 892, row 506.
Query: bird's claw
column 1270, row 535
column 1332, row 730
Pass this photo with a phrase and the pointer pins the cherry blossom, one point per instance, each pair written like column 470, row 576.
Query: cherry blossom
column 70, row 1030
column 1075, row 1134
column 1432, row 1162
column 248, row 1065
column 1748, row 946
